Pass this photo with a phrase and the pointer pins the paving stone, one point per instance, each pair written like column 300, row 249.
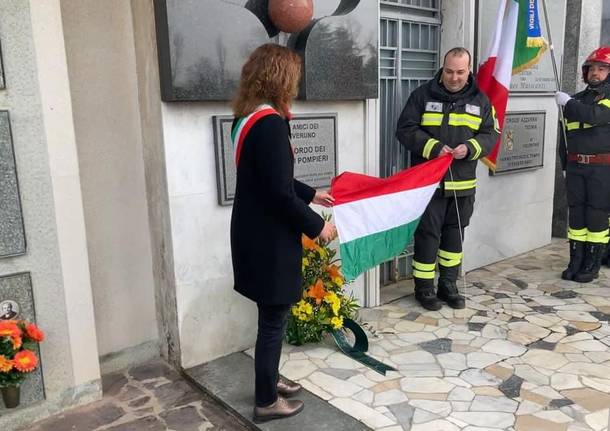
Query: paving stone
column 565, row 294
column 136, row 404
column 560, row 402
column 183, row 419
column 533, row 423
column 479, row 378
column 475, row 326
column 519, row 283
column 152, row 370
column 442, row 345
column 511, row 387
column 149, row 423
column 86, row 418
column 590, row 399
column 541, row 344
column 113, row 383
column 175, row 394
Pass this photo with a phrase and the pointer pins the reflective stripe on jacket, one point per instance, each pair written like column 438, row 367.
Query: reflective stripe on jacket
column 434, row 117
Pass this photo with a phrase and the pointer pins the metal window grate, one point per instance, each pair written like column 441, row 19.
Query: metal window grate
column 409, row 56
column 415, row 4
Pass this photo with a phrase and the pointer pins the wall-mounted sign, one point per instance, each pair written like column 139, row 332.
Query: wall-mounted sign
column 12, row 233
column 522, row 145
column 314, row 138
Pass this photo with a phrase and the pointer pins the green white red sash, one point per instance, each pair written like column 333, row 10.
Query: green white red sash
column 243, row 126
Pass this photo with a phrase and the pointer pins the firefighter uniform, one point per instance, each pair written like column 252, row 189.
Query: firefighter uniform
column 434, row 117
column 587, row 122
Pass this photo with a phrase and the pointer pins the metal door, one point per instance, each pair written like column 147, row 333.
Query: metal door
column 409, row 45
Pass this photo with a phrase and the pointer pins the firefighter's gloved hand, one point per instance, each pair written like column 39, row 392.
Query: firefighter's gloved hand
column 562, row 98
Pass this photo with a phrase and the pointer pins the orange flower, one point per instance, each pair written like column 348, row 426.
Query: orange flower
column 6, row 364
column 17, row 342
column 333, row 271
column 34, row 332
column 317, row 291
column 25, row 361
column 9, row 328
column 308, row 243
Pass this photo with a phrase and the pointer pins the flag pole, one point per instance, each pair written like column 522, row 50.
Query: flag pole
column 552, row 48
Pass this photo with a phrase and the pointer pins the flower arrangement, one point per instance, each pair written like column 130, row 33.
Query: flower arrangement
column 324, row 304
column 18, row 339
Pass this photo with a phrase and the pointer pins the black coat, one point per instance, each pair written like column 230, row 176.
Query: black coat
column 433, row 117
column 270, row 212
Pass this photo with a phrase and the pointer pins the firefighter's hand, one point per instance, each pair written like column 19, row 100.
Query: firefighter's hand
column 562, row 98
column 445, row 150
column 460, row 151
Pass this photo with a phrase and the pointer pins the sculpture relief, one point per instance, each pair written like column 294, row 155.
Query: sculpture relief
column 203, row 43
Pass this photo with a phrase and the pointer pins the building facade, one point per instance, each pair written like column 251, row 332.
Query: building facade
column 117, row 238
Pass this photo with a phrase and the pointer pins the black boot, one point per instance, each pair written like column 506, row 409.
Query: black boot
column 592, row 262
column 425, row 295
column 447, row 287
column 577, row 253
column 606, row 258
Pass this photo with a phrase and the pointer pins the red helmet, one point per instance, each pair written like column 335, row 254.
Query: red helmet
column 600, row 55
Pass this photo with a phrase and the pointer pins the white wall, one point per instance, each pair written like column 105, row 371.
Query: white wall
column 102, row 69
column 513, row 212
column 213, row 319
column 38, row 98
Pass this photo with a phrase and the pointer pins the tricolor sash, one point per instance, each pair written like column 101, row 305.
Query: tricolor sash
column 243, row 126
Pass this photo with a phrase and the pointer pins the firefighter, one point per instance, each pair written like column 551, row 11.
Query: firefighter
column 448, row 114
column 587, row 123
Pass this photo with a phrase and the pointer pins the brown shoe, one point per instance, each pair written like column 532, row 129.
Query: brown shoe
column 287, row 388
column 282, row 408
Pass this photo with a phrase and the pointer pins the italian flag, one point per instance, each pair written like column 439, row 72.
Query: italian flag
column 517, row 44
column 377, row 217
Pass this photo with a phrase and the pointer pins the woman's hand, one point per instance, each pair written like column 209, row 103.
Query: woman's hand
column 323, row 198
column 329, row 232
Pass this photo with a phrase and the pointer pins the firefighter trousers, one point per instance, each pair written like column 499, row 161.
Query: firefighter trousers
column 438, row 235
column 588, row 190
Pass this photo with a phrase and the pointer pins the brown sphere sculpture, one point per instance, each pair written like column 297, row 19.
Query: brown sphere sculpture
column 290, row 16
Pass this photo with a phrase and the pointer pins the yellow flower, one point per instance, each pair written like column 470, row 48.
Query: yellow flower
column 337, row 322
column 338, row 281
column 304, row 263
column 334, row 301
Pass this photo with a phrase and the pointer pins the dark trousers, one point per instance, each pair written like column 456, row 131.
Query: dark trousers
column 439, row 229
column 588, row 189
column 271, row 326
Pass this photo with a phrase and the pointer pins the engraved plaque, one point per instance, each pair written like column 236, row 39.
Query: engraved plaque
column 314, row 138
column 17, row 302
column 12, row 234
column 522, row 146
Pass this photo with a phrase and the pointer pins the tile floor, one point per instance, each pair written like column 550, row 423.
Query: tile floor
column 530, row 352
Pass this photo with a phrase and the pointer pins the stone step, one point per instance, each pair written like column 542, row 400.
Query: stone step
column 230, row 380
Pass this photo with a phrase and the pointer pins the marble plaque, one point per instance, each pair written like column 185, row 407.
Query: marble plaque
column 2, row 82
column 203, row 44
column 17, row 302
column 314, row 138
column 522, row 145
column 12, row 233
column 540, row 78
